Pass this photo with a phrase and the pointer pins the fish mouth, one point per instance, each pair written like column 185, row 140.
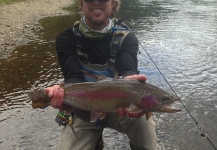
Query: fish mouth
column 167, row 100
column 166, row 103
column 169, row 109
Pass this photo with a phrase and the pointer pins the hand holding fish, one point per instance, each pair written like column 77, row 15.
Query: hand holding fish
column 124, row 112
column 56, row 94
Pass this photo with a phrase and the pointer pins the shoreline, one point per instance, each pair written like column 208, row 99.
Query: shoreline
column 19, row 20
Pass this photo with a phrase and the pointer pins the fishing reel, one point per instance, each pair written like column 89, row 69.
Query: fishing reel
column 63, row 119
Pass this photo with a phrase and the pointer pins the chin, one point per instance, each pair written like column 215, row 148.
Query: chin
column 98, row 22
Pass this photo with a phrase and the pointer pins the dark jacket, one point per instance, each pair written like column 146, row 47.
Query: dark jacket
column 98, row 51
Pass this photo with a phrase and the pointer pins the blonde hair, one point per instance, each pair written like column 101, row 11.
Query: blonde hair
column 117, row 4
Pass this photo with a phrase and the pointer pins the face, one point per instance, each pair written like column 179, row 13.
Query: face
column 97, row 13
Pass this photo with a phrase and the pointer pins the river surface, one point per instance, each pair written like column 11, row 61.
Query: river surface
column 179, row 37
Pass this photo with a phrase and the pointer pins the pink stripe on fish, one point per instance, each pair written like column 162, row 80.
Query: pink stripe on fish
column 100, row 95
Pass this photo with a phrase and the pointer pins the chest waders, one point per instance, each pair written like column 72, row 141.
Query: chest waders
column 119, row 31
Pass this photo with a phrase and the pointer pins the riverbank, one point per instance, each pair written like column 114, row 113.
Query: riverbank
column 18, row 21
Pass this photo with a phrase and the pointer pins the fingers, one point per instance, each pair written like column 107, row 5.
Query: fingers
column 49, row 90
column 54, row 98
column 57, row 98
column 56, row 94
column 137, row 77
column 60, row 98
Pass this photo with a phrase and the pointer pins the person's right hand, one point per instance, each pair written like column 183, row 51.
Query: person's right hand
column 124, row 111
column 56, row 94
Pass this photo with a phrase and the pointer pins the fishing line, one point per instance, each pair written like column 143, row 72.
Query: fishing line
column 203, row 134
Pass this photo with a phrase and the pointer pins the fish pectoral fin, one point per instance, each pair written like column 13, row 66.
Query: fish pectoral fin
column 96, row 115
column 134, row 109
column 148, row 115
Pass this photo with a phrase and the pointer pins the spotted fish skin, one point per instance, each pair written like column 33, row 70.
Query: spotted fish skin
column 109, row 95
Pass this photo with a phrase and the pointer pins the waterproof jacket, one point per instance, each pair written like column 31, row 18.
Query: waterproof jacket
column 98, row 52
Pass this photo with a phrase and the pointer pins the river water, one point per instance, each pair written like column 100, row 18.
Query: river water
column 179, row 37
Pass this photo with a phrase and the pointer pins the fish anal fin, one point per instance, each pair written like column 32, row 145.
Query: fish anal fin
column 96, row 115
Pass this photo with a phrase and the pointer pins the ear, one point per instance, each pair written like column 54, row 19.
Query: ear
column 81, row 3
column 114, row 7
column 114, row 4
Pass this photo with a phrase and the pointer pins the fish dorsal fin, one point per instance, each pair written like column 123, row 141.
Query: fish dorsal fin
column 105, row 79
column 96, row 76
column 99, row 78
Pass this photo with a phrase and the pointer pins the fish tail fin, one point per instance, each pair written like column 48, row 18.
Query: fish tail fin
column 39, row 99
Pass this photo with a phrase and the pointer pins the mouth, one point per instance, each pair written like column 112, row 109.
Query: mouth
column 97, row 11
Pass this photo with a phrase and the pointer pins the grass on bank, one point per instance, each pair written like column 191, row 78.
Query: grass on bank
column 9, row 1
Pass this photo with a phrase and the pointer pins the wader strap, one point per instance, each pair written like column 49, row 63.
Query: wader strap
column 79, row 41
column 116, row 43
column 120, row 31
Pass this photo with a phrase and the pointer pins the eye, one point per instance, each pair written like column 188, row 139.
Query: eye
column 164, row 99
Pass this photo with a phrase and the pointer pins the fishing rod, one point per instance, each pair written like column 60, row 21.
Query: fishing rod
column 203, row 134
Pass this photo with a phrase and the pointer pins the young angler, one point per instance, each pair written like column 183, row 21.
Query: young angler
column 87, row 47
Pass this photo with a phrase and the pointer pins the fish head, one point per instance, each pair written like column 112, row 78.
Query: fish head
column 149, row 102
column 152, row 103
column 167, row 99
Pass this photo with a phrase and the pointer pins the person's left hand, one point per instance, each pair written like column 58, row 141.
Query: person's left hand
column 124, row 112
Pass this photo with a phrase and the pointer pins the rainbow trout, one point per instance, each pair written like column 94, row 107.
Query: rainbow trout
column 109, row 95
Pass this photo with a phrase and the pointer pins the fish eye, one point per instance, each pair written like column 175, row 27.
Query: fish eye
column 164, row 98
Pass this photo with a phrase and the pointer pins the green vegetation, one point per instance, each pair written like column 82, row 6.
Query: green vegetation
column 9, row 1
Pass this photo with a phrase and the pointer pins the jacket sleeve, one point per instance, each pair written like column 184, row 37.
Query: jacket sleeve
column 67, row 56
column 127, row 63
